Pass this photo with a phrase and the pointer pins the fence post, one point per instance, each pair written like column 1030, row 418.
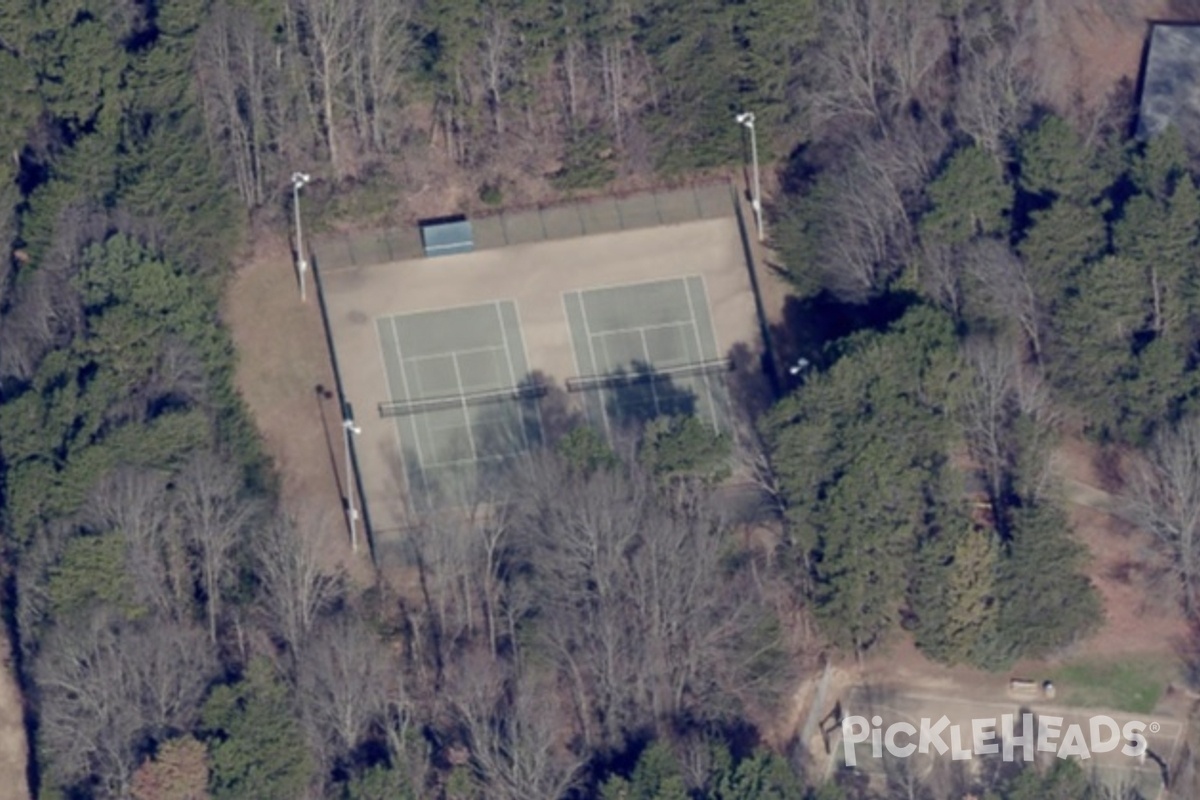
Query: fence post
column 769, row 363
column 343, row 405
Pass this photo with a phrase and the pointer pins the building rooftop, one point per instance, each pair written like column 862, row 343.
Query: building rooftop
column 1171, row 82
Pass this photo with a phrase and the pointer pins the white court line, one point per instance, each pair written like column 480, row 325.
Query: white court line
column 677, row 326
column 456, row 461
column 537, row 406
column 567, row 316
column 466, row 352
column 587, row 333
column 395, row 428
column 408, row 395
column 682, row 323
column 655, row 327
column 417, row 312
column 512, row 372
column 650, row 365
column 711, row 315
column 462, row 393
column 712, row 399
column 602, row 287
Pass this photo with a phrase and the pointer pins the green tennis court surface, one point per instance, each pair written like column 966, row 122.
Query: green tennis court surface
column 459, row 398
column 647, row 350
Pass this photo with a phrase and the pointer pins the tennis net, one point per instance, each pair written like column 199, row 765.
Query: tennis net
column 644, row 373
column 400, row 408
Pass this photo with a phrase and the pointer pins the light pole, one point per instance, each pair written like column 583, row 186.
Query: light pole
column 746, row 119
column 299, row 179
column 798, row 367
column 348, row 427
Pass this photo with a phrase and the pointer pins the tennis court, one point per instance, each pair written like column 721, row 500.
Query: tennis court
column 443, row 355
column 647, row 350
column 459, row 396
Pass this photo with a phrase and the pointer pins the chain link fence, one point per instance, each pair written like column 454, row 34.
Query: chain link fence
column 583, row 218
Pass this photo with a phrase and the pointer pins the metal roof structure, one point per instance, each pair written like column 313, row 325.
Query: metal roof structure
column 443, row 237
column 1171, row 82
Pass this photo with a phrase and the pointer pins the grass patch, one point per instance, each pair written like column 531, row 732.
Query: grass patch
column 1132, row 685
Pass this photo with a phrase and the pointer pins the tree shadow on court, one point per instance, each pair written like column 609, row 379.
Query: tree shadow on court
column 504, row 427
column 640, row 394
column 751, row 391
column 553, row 413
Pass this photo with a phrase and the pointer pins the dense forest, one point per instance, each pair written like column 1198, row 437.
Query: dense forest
column 981, row 275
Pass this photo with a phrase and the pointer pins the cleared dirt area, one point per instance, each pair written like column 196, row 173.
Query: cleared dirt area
column 1137, row 618
column 284, row 375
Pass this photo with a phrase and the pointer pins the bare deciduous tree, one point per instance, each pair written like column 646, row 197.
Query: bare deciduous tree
column 582, row 532
column 329, row 32
column 941, row 275
column 513, row 731
column 867, row 229
column 240, row 86
column 344, row 682
column 106, row 685
column 1163, row 497
column 296, row 586
column 388, row 45
column 44, row 307
column 215, row 517
column 136, row 504
column 172, row 664
column 446, row 558
column 631, row 598
column 989, row 406
column 753, row 458
column 1006, row 288
column 88, row 713
column 877, row 58
column 994, row 92
column 493, row 533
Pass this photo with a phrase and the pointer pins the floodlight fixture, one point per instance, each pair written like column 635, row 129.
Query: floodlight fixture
column 746, row 120
column 348, row 429
column 299, row 180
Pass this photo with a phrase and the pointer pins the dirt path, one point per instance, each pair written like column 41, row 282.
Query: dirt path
column 14, row 748
column 1137, row 620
